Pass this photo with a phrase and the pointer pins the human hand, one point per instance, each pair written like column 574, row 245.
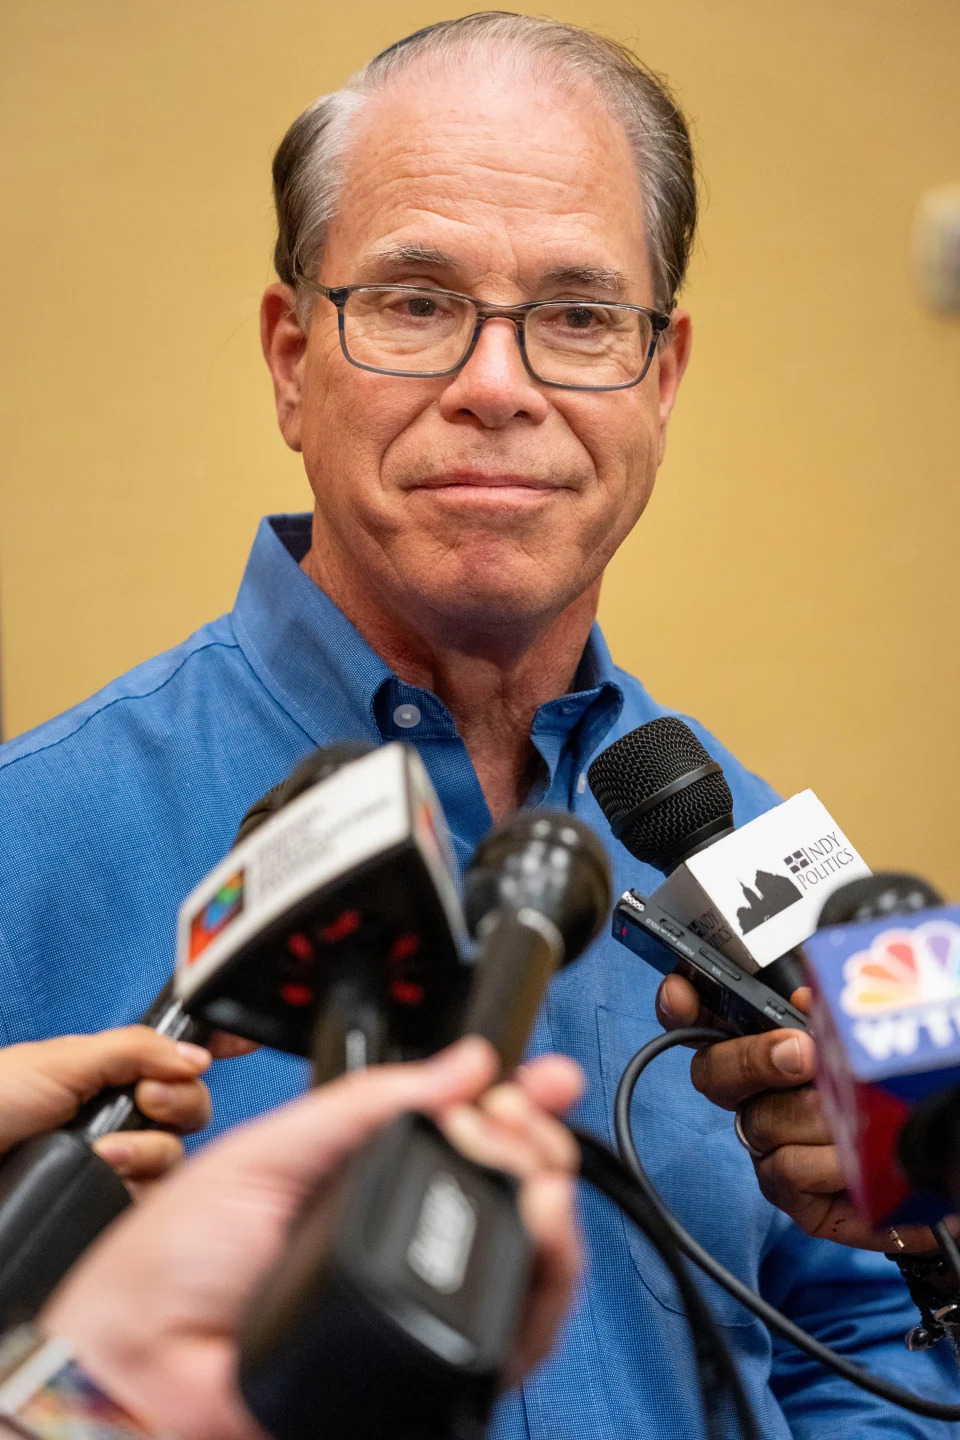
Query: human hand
column 152, row 1311
column 44, row 1083
column 766, row 1079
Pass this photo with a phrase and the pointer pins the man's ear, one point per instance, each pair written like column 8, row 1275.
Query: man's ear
column 672, row 361
column 284, row 345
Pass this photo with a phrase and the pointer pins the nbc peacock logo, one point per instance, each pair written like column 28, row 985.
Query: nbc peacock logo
column 903, row 969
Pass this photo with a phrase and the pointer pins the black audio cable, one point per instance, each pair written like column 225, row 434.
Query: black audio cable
column 717, row 1371
column 771, row 1317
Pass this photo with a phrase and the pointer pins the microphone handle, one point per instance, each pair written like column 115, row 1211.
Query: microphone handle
column 520, row 952
column 114, row 1108
column 57, row 1195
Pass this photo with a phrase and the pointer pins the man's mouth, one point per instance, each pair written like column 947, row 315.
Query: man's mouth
column 478, row 485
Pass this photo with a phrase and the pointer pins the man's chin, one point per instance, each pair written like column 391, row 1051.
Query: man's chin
column 492, row 602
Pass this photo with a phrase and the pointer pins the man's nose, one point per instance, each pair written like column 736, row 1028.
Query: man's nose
column 494, row 386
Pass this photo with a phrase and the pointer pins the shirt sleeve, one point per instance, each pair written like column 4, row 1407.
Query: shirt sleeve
column 855, row 1302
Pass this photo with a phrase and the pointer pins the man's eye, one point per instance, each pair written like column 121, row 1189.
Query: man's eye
column 421, row 306
column 580, row 318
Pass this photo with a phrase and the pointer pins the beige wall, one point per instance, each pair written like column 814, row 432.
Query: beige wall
column 794, row 582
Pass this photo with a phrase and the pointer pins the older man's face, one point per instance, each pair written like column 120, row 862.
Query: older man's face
column 482, row 499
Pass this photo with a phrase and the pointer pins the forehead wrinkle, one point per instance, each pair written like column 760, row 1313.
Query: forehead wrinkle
column 417, row 158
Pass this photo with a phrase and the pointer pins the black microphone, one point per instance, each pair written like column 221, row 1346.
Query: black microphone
column 393, row 1312
column 333, row 929
column 536, row 893
column 748, row 895
column 663, row 794
column 56, row 1193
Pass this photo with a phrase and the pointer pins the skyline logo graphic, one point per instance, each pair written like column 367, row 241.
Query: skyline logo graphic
column 769, row 895
column 904, row 969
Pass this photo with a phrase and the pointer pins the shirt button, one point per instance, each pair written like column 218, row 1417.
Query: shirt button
column 582, row 782
column 406, row 716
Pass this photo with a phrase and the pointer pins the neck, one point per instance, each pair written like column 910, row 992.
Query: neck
column 492, row 680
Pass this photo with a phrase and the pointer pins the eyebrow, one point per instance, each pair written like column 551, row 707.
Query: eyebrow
column 590, row 277
column 567, row 277
column 398, row 256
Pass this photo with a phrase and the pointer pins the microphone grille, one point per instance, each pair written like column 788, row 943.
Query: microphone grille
column 649, row 759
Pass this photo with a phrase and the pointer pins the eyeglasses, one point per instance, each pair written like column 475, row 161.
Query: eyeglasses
column 418, row 332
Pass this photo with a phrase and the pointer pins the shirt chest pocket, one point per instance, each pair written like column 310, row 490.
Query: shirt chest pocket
column 688, row 1149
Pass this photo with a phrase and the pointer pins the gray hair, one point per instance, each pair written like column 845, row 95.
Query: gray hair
column 308, row 167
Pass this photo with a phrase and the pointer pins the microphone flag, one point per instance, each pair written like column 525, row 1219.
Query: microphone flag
column 886, row 1017
column 757, row 892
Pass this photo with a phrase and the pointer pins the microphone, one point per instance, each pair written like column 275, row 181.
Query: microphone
column 393, row 1312
column 57, row 1194
column 536, row 893
column 753, row 893
column 885, row 972
column 333, row 928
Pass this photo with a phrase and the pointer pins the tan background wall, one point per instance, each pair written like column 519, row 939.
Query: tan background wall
column 794, row 582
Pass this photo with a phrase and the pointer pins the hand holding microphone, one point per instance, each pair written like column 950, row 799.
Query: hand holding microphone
column 784, row 1120
column 44, row 1084
column 196, row 1248
column 669, row 804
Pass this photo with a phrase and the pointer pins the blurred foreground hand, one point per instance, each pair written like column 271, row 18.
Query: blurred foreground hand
column 153, row 1309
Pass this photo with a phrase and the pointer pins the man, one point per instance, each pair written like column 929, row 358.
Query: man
column 475, row 345
column 153, row 1312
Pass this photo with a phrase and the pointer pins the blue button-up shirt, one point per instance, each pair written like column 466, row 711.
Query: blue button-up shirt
column 112, row 813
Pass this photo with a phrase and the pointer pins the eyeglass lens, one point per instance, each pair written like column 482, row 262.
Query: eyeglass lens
column 575, row 343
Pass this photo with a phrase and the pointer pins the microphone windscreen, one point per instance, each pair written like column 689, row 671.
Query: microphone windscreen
column 874, row 897
column 647, row 769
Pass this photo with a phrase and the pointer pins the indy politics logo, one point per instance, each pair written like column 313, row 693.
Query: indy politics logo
column 819, row 860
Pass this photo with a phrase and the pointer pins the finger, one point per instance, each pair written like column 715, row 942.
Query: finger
column 88, row 1063
column 678, row 1004
column 224, row 1046
column 785, row 1117
column 140, row 1155
column 553, row 1082
column 483, row 1140
column 547, row 1208
column 310, row 1136
column 800, row 1169
column 515, row 1110
column 505, row 1129
column 732, row 1071
column 44, row 1083
column 180, row 1105
column 802, row 999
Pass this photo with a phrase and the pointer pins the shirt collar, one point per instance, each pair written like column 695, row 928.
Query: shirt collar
column 326, row 676
column 305, row 650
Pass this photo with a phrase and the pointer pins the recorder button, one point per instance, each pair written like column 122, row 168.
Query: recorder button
column 718, row 963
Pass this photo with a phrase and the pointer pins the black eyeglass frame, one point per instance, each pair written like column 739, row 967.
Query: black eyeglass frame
column 338, row 295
